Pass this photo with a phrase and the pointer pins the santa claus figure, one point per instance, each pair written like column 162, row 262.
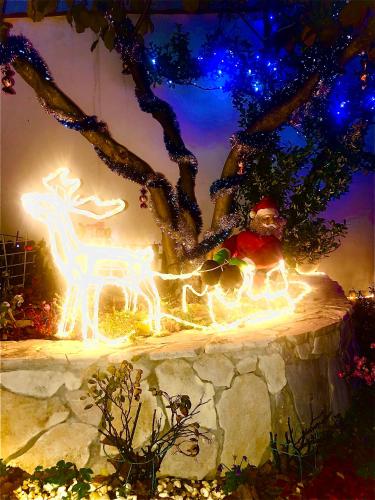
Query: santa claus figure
column 259, row 245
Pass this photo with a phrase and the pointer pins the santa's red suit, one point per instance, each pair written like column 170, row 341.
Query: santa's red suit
column 264, row 251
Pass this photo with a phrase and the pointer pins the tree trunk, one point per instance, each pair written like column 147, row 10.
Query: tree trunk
column 126, row 161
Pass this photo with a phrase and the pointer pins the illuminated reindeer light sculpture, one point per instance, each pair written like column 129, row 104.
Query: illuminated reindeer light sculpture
column 86, row 268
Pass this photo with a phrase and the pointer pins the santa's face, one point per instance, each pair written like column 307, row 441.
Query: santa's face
column 267, row 224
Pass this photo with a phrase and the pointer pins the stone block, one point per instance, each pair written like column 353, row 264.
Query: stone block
column 245, row 416
column 282, row 409
column 338, row 388
column 91, row 416
column 247, row 364
column 273, row 368
column 176, row 376
column 303, row 351
column 217, row 369
column 38, row 383
column 67, row 441
column 23, row 418
column 328, row 343
column 309, row 388
column 202, row 466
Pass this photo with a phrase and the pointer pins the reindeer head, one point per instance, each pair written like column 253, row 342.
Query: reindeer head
column 61, row 198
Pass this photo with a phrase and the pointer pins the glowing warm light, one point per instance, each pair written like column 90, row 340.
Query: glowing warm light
column 356, row 297
column 237, row 298
column 88, row 269
column 313, row 272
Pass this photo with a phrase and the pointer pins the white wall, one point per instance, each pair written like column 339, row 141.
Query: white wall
column 33, row 144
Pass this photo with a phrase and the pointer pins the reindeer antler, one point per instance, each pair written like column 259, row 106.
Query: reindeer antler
column 65, row 187
column 117, row 205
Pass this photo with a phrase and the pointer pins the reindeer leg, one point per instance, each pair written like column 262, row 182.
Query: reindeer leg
column 95, row 314
column 69, row 312
column 156, row 307
column 85, row 320
column 126, row 298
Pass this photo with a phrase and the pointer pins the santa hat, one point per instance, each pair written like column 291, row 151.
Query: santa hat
column 266, row 206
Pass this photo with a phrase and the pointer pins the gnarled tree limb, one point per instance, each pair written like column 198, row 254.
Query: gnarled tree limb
column 60, row 103
column 279, row 114
column 166, row 117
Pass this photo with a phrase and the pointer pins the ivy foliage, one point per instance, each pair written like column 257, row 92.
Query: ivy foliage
column 66, row 474
column 302, row 181
column 258, row 57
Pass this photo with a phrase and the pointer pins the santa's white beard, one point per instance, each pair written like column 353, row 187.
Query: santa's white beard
column 258, row 226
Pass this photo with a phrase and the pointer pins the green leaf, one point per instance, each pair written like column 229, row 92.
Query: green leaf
column 146, row 26
column 81, row 16
column 4, row 30
column 87, row 407
column 94, row 44
column 237, row 262
column 38, row 9
column 97, row 22
column 109, row 39
column 221, row 256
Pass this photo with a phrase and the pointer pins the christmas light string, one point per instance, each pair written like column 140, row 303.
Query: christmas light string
column 315, row 59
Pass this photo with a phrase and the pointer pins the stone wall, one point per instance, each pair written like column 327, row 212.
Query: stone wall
column 253, row 378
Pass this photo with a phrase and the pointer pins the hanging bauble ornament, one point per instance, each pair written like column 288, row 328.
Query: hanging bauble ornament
column 210, row 272
column 231, row 278
column 125, row 69
column 364, row 75
column 8, row 80
column 241, row 168
column 143, row 199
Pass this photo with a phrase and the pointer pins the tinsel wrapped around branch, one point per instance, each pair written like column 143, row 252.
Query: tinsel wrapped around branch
column 129, row 44
column 176, row 209
column 166, row 201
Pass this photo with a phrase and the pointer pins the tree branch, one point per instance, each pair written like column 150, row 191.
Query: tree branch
column 279, row 114
column 163, row 113
column 126, row 161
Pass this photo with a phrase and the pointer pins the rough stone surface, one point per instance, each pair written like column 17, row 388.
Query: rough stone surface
column 273, row 369
column 304, row 350
column 338, row 388
column 247, row 364
column 177, row 377
column 309, row 387
column 91, row 416
column 23, row 417
column 216, row 369
column 72, row 381
column 327, row 344
column 245, row 415
column 38, row 383
column 144, row 424
column 68, row 441
column 186, row 362
column 100, row 466
column 283, row 408
column 199, row 467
